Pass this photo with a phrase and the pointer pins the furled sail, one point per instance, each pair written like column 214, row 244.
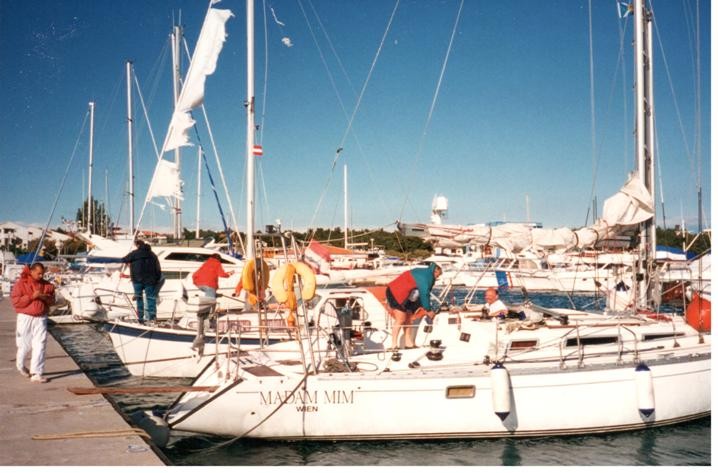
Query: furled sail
column 203, row 63
column 627, row 208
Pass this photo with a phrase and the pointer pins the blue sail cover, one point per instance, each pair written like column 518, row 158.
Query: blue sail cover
column 27, row 258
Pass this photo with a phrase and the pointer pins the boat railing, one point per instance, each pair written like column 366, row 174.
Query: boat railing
column 624, row 336
column 99, row 292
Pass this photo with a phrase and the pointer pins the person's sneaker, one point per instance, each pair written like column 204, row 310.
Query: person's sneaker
column 38, row 378
column 23, row 371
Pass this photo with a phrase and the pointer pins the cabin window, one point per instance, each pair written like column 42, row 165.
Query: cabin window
column 522, row 344
column 197, row 257
column 573, row 342
column 460, row 392
column 658, row 336
column 175, row 274
column 464, row 337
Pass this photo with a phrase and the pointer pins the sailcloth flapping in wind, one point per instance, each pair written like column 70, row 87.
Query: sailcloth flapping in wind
column 166, row 179
column 204, row 63
column 629, row 207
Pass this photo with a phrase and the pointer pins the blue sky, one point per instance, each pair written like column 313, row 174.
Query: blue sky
column 511, row 124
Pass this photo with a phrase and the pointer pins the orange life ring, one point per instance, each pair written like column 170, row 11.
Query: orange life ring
column 254, row 280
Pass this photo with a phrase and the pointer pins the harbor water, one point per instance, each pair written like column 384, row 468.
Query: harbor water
column 687, row 444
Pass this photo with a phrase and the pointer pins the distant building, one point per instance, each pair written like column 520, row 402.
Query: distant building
column 13, row 231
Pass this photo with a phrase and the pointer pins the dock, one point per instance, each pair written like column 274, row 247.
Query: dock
column 45, row 424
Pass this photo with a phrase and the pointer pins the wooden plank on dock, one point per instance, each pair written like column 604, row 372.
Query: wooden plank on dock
column 81, row 391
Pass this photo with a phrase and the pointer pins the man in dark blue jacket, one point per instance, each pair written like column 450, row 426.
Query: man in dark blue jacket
column 145, row 273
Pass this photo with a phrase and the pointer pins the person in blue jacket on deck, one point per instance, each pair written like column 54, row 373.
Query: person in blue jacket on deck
column 408, row 297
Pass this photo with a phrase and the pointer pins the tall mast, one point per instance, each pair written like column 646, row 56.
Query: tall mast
column 643, row 58
column 89, row 172
column 105, row 224
column 346, row 208
column 176, row 61
column 199, row 188
column 250, row 129
column 130, row 151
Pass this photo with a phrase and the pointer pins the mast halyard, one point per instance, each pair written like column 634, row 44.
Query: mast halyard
column 90, row 166
column 250, row 131
column 176, row 88
column 130, row 151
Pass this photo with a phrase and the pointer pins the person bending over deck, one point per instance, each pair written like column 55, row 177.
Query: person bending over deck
column 206, row 278
column 408, row 297
column 31, row 298
column 146, row 276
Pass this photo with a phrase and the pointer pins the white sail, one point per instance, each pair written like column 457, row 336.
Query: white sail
column 166, row 181
column 630, row 206
column 204, row 63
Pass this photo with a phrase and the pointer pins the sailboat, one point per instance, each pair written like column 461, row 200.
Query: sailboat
column 550, row 372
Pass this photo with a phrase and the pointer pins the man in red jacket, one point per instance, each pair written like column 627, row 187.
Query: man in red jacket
column 31, row 298
column 206, row 278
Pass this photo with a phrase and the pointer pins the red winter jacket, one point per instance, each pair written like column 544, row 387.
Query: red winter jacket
column 209, row 273
column 24, row 288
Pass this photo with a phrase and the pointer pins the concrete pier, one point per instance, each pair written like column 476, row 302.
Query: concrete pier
column 29, row 409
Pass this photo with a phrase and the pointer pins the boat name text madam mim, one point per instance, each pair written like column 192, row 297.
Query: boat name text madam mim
column 307, row 397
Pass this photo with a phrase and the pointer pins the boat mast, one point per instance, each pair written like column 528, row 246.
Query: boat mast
column 107, row 205
column 176, row 61
column 89, row 173
column 250, row 130
column 643, row 64
column 199, row 188
column 130, row 151
column 346, row 208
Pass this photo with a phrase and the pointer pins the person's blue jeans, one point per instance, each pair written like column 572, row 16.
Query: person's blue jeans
column 208, row 291
column 150, row 291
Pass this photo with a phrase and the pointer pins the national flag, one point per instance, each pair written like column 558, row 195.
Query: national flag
column 257, row 150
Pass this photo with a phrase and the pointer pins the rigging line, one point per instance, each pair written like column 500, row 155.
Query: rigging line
column 593, row 101
column 156, row 73
column 147, row 117
column 263, row 113
column 334, row 51
column 689, row 156
column 697, row 148
column 626, row 134
column 688, row 17
column 216, row 156
column 619, row 63
column 660, row 176
column 433, row 105
column 59, row 191
column 362, row 154
column 115, row 94
column 358, row 102
column 219, row 206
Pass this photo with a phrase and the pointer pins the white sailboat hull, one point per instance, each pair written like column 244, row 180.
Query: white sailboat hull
column 420, row 404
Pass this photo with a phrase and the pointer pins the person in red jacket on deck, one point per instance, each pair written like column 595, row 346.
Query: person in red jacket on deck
column 31, row 298
column 206, row 278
